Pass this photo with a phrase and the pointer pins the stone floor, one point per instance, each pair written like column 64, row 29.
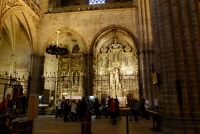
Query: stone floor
column 46, row 124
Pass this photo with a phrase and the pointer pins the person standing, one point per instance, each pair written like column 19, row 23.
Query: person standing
column 58, row 109
column 73, row 111
column 96, row 108
column 117, row 108
column 5, row 125
column 15, row 109
column 24, row 99
column 108, row 106
column 143, row 107
column 113, row 110
column 103, row 107
column 78, row 109
column 66, row 110
column 10, row 109
column 4, row 103
column 136, row 110
column 83, row 107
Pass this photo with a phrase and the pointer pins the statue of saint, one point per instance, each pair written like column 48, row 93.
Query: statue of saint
column 115, row 45
column 76, row 79
column 116, row 76
column 115, row 57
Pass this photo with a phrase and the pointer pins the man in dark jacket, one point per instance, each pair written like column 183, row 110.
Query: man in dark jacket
column 83, row 107
column 96, row 108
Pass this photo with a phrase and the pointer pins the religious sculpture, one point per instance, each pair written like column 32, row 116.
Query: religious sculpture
column 71, row 68
column 118, row 64
column 115, row 45
column 116, row 76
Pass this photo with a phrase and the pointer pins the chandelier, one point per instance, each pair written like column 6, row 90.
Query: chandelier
column 57, row 49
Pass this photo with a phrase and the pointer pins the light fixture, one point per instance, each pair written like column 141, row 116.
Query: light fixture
column 57, row 49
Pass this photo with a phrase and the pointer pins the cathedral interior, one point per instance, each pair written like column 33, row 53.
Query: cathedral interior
column 123, row 48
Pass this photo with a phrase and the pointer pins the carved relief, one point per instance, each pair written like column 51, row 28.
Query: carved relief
column 71, row 69
column 9, row 4
column 116, row 71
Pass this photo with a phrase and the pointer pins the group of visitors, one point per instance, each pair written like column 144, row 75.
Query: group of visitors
column 109, row 107
column 137, row 107
column 8, row 107
column 74, row 110
column 71, row 109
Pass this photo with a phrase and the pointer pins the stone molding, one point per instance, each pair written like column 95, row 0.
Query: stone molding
column 92, row 7
column 33, row 6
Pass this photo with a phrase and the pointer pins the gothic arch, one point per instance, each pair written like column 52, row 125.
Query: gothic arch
column 101, row 34
column 25, row 18
column 70, row 67
column 21, row 25
column 67, row 35
column 115, row 63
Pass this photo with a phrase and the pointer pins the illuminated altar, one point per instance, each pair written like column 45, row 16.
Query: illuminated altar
column 116, row 71
column 70, row 74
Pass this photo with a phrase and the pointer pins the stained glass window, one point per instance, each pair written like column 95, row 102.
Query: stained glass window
column 97, row 1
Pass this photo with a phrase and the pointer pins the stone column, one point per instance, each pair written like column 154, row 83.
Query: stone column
column 1, row 25
column 36, row 84
column 88, row 77
column 145, row 46
column 176, row 38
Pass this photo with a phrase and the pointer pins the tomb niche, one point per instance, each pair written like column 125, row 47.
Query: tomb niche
column 116, row 71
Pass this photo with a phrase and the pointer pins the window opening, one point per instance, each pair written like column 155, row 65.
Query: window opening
column 97, row 1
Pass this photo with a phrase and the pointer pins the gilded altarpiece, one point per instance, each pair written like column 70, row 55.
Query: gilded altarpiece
column 70, row 76
column 116, row 71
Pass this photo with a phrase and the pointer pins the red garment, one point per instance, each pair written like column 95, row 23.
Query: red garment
column 113, row 106
column 3, row 106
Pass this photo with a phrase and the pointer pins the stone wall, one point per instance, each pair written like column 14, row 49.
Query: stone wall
column 87, row 24
column 177, row 46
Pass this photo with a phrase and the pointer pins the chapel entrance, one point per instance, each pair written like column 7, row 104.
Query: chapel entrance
column 115, row 65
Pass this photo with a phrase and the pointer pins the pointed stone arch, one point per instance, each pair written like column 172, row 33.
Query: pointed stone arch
column 113, row 29
column 115, row 63
column 27, row 21
column 67, row 34
column 70, row 67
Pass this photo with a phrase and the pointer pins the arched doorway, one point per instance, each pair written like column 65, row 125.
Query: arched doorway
column 115, row 64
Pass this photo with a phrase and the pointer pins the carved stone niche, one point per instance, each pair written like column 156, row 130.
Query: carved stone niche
column 71, row 70
column 116, row 71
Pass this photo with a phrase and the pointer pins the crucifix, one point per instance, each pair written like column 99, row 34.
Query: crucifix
column 6, row 74
column 15, row 73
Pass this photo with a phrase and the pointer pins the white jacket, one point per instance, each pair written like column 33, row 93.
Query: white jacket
column 146, row 104
column 73, row 108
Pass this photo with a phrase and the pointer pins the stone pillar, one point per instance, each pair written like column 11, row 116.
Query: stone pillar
column 88, row 77
column 1, row 25
column 177, row 46
column 36, row 84
column 145, row 46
